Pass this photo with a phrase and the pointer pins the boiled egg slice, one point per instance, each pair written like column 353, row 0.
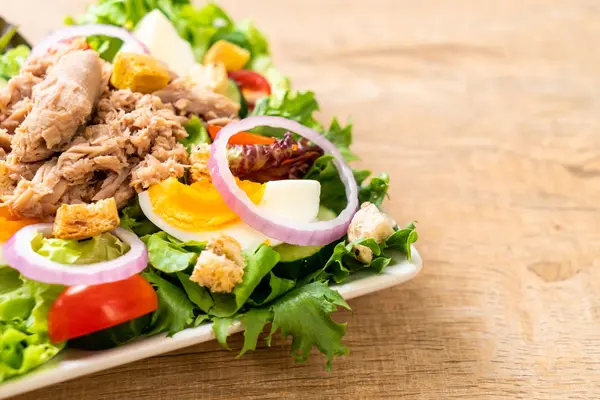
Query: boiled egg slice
column 157, row 33
column 197, row 211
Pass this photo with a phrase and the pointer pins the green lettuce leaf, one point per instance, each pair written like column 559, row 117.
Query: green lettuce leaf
column 333, row 195
column 175, row 310
column 304, row 314
column 341, row 137
column 199, row 295
column 344, row 262
column 221, row 330
column 376, row 190
column 258, row 264
column 134, row 220
column 270, row 288
column 197, row 133
column 12, row 60
column 199, row 25
column 104, row 247
column 254, row 322
column 167, row 254
column 294, row 105
column 24, row 305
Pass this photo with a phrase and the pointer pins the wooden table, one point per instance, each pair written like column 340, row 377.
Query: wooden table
column 487, row 116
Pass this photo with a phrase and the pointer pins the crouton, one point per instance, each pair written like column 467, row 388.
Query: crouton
column 139, row 72
column 82, row 221
column 199, row 159
column 229, row 247
column 232, row 56
column 369, row 223
column 221, row 266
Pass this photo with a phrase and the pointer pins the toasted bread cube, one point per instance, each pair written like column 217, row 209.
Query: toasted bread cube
column 221, row 266
column 82, row 221
column 139, row 72
column 232, row 56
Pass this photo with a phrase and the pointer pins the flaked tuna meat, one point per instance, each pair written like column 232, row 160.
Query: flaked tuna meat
column 62, row 103
column 39, row 196
column 19, row 87
column 152, row 171
column 193, row 99
column 15, row 101
column 98, row 148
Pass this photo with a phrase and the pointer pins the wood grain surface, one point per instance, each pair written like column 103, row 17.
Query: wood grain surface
column 487, row 116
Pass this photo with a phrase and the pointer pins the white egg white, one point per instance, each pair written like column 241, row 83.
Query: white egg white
column 285, row 201
column 157, row 33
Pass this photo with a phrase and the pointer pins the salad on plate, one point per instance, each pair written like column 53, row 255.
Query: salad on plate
column 157, row 172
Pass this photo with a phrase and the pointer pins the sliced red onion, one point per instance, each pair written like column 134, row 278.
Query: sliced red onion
column 20, row 256
column 88, row 30
column 312, row 233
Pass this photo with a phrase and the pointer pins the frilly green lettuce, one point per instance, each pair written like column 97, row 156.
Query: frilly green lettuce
column 24, row 305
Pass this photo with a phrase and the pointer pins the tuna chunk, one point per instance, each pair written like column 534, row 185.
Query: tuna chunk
column 189, row 98
column 40, row 196
column 62, row 103
column 19, row 88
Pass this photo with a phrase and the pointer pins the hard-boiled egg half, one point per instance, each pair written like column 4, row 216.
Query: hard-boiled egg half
column 9, row 226
column 198, row 212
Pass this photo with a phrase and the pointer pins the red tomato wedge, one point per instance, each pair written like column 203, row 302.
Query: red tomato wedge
column 252, row 84
column 80, row 310
column 242, row 137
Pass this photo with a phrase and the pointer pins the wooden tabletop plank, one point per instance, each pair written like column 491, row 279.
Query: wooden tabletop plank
column 487, row 117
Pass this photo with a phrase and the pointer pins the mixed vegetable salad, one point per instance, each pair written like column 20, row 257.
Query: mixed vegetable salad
column 184, row 182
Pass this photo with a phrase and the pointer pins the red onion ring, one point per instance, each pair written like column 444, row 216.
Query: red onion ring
column 88, row 30
column 313, row 233
column 20, row 256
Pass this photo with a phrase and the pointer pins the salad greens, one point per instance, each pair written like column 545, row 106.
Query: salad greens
column 24, row 306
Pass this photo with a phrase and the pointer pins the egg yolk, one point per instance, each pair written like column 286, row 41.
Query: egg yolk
column 198, row 206
column 9, row 225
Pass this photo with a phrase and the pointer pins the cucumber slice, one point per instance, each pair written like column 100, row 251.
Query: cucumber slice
column 325, row 214
column 112, row 337
column 290, row 252
column 234, row 93
column 299, row 261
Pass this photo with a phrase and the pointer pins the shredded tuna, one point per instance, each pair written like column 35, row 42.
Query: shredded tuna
column 19, row 87
column 189, row 98
column 62, row 103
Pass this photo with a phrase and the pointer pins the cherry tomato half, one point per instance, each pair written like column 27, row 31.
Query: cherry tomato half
column 82, row 309
column 252, row 84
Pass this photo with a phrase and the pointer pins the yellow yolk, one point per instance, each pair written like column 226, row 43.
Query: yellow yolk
column 9, row 226
column 198, row 206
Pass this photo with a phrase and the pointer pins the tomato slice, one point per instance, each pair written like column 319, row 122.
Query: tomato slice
column 82, row 309
column 242, row 137
column 252, row 84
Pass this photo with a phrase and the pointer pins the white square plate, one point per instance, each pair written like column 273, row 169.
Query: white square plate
column 75, row 363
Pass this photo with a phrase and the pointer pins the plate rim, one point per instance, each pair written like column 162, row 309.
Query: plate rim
column 67, row 366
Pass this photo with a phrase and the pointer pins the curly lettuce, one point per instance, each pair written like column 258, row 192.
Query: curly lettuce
column 24, row 305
